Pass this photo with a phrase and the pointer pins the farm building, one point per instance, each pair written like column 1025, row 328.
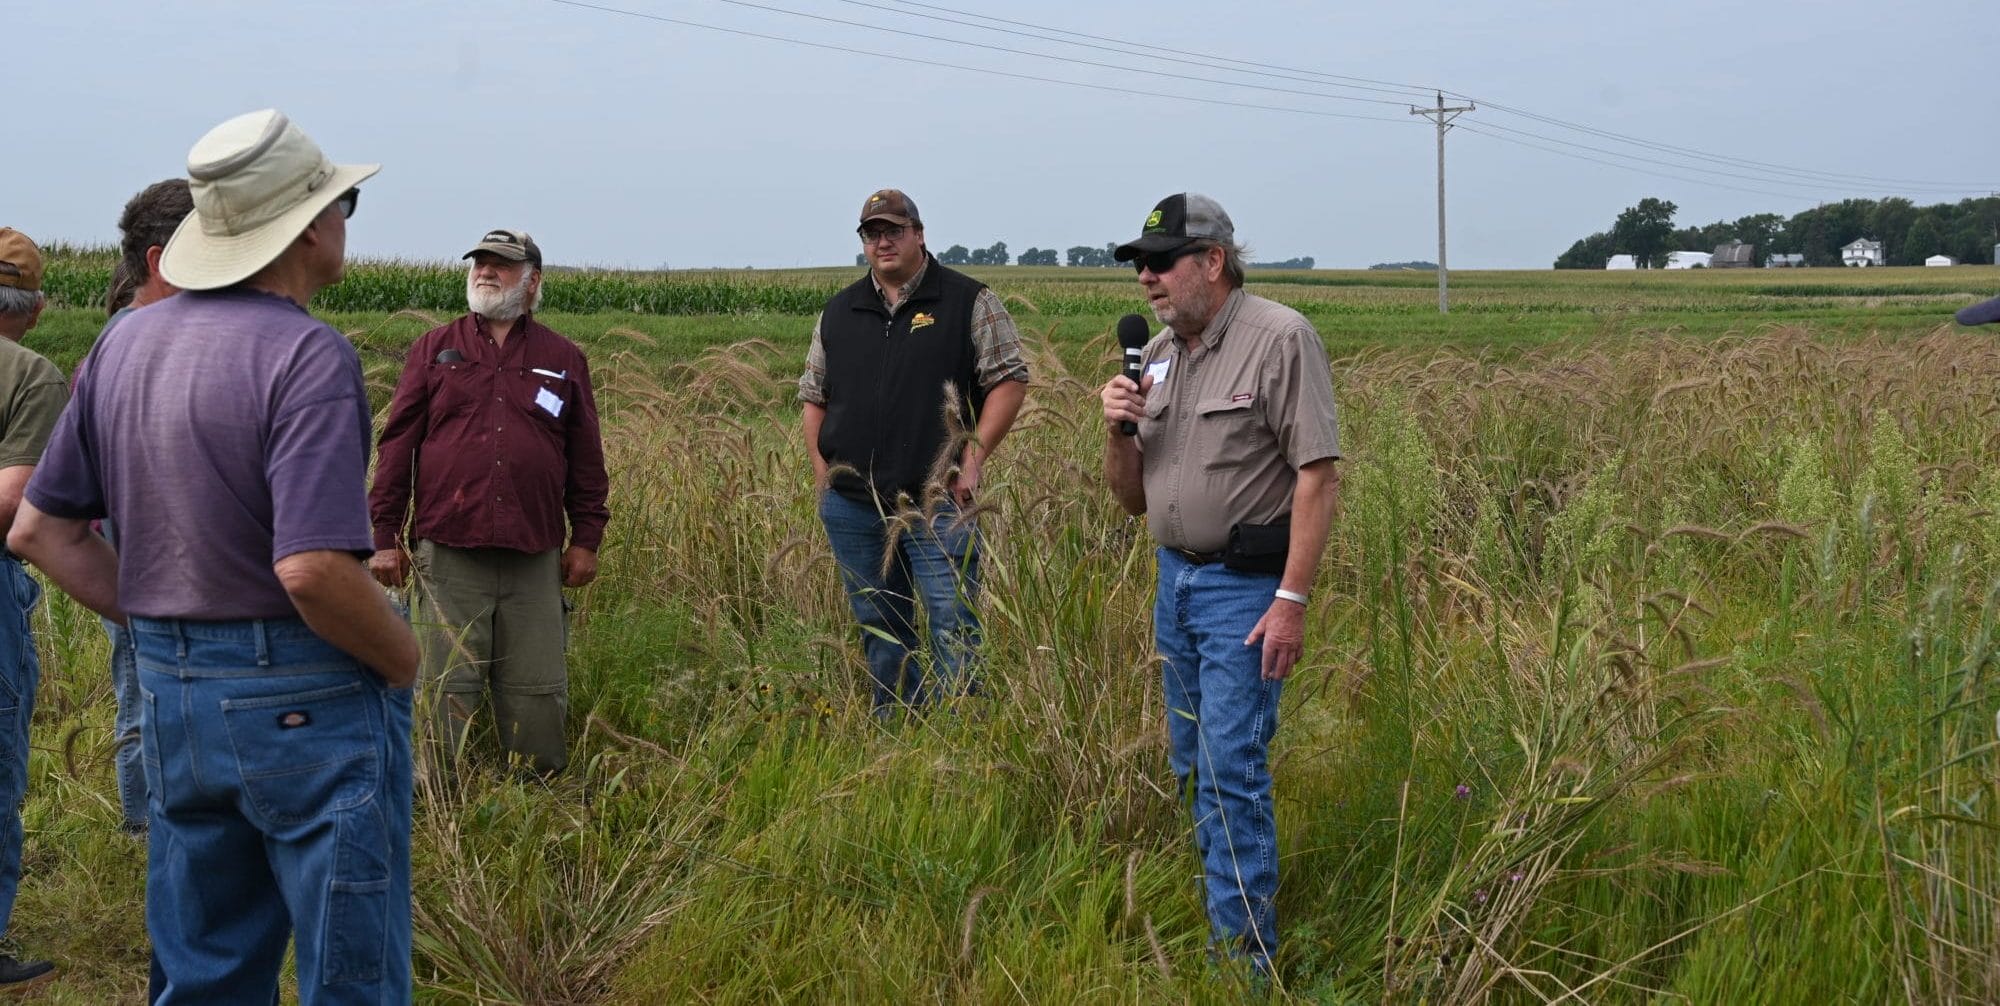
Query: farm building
column 1734, row 255
column 1687, row 260
column 1788, row 261
column 1861, row 252
column 1621, row 262
column 1940, row 260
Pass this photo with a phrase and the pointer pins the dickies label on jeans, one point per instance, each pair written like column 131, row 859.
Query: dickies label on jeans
column 294, row 719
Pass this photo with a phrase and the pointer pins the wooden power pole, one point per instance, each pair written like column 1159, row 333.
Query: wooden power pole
column 1443, row 117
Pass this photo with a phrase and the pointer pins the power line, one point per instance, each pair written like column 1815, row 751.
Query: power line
column 1807, row 183
column 1421, row 89
column 1724, row 158
column 1843, row 180
column 865, row 26
column 1136, row 49
column 1627, row 167
column 900, row 58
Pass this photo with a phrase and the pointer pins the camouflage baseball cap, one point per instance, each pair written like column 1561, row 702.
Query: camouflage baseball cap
column 20, row 261
column 891, row 205
column 1175, row 221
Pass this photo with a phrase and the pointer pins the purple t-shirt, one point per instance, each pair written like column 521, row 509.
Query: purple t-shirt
column 220, row 431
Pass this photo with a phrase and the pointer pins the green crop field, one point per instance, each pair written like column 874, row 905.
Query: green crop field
column 1652, row 661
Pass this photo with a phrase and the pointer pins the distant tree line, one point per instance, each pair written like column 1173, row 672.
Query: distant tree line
column 1965, row 230
column 1302, row 262
column 1415, row 265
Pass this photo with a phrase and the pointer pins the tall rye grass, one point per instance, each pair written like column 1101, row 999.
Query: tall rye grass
column 1660, row 671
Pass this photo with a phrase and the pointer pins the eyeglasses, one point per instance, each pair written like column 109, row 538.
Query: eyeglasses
column 1162, row 263
column 347, row 201
column 872, row 235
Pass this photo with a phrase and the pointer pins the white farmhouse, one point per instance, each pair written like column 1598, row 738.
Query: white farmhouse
column 1940, row 260
column 1687, row 259
column 1861, row 252
column 1621, row 262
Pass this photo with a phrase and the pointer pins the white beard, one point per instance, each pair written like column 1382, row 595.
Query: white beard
column 498, row 305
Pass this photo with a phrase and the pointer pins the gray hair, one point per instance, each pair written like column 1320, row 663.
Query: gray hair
column 15, row 303
column 1233, row 257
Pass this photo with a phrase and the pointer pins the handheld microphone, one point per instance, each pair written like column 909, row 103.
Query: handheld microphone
column 1133, row 334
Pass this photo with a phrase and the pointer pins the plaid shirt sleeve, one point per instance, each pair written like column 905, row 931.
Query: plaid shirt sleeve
column 997, row 342
column 812, row 383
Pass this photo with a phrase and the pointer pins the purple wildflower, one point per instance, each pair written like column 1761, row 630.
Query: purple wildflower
column 1463, row 791
column 1479, row 896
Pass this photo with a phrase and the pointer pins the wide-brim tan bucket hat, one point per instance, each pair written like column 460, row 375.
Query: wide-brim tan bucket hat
column 257, row 181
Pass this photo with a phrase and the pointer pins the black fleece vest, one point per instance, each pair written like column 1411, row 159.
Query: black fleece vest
column 886, row 377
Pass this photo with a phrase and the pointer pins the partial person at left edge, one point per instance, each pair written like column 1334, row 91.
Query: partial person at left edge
column 32, row 395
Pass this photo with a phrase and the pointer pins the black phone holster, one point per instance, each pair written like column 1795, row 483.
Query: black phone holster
column 1258, row 548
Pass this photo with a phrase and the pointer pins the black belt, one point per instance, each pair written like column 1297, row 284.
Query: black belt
column 1198, row 558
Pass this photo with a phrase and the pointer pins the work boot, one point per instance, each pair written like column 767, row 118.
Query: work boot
column 18, row 974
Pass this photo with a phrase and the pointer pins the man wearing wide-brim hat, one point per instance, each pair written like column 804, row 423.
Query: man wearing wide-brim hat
column 225, row 432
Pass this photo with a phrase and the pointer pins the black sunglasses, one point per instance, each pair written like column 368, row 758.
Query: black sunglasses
column 1162, row 263
column 347, row 201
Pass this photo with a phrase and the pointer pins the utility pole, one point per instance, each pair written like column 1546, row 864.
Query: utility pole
column 1443, row 117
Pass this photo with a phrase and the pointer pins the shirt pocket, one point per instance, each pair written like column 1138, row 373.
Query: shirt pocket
column 544, row 397
column 456, row 386
column 1156, row 412
column 1230, row 432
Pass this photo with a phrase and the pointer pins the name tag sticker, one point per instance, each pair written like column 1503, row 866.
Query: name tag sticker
column 549, row 401
column 1158, row 370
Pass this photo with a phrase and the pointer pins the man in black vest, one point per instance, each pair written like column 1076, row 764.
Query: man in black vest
column 914, row 376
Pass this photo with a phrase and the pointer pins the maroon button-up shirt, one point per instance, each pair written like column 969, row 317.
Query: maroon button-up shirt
column 501, row 443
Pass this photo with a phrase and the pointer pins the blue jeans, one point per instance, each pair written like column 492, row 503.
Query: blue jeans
column 125, row 726
column 1221, row 714
column 938, row 556
column 20, row 671
column 279, row 770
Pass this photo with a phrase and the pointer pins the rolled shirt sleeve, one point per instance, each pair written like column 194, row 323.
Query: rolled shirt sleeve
column 995, row 340
column 812, row 383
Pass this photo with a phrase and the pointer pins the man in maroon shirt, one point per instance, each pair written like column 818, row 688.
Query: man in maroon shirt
column 494, row 425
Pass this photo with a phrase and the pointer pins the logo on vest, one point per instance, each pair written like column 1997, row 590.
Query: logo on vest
column 921, row 320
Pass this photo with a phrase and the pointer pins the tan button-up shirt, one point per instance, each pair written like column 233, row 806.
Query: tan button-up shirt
column 1231, row 420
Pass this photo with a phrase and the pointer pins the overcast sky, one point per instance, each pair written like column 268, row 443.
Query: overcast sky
column 626, row 141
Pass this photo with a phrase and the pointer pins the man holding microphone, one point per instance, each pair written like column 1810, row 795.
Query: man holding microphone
column 1233, row 463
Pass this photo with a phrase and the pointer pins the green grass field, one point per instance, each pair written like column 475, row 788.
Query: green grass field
column 1652, row 661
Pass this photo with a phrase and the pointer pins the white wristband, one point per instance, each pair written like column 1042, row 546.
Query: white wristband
column 1291, row 595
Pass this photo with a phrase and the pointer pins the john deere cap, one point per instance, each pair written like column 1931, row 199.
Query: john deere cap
column 1177, row 220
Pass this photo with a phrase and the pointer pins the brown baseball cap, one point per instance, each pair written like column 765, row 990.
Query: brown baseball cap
column 891, row 205
column 20, row 261
column 514, row 246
